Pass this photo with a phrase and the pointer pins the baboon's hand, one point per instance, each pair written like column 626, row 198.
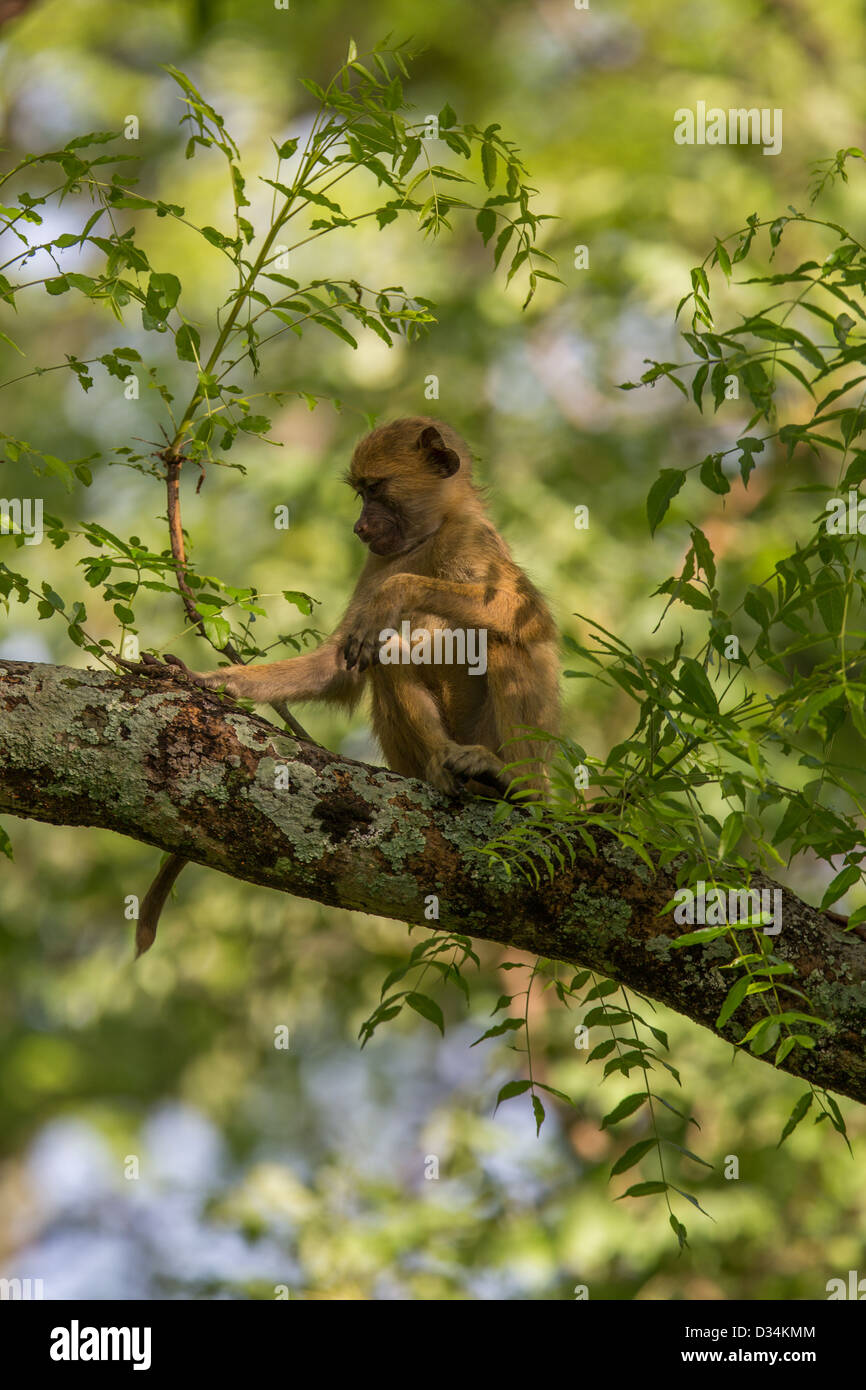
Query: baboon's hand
column 171, row 668
column 363, row 645
column 168, row 669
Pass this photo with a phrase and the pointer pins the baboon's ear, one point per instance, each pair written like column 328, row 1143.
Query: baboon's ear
column 436, row 453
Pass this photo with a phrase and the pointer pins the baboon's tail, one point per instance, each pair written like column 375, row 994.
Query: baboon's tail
column 154, row 901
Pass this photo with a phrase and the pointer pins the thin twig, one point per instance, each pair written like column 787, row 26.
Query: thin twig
column 174, row 463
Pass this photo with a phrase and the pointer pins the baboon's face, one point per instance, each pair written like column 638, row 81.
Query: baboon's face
column 401, row 482
column 381, row 525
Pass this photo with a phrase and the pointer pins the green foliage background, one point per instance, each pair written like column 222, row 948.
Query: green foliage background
column 306, row 1167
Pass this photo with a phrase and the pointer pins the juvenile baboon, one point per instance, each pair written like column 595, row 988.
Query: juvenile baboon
column 435, row 560
column 437, row 563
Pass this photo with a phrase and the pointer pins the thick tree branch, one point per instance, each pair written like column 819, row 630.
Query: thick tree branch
column 180, row 769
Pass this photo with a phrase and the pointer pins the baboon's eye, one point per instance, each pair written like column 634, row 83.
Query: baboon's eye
column 374, row 486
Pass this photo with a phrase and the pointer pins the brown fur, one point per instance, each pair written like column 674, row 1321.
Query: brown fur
column 435, row 559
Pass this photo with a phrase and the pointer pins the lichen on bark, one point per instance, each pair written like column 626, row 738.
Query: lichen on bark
column 182, row 769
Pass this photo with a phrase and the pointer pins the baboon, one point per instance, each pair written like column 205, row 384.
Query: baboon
column 437, row 564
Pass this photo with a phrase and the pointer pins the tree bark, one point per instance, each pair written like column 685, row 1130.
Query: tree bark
column 180, row 768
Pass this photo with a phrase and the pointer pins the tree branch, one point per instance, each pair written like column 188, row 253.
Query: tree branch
column 181, row 769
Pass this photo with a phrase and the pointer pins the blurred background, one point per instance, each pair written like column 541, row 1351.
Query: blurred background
column 305, row 1168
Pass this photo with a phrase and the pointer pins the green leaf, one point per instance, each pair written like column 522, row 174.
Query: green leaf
column 632, row 1156
column 300, row 601
column 410, row 155
column 698, row 384
column 365, row 72
column 694, row 684
column 4, row 337
column 679, row 1231
column 501, row 242
column 830, row 598
column 688, row 1196
column 836, row 1117
column 427, row 1008
column 163, row 292
column 488, row 164
column 551, row 1090
column 510, row 1025
column 538, row 1112
column 486, row 223
column 601, row 991
column 603, row 1016
column 627, row 1062
column 776, row 229
column 736, row 995
column 840, row 885
column 447, row 117
column 712, row 477
column 661, row 494
column 187, row 343
column 856, row 471
column 644, row 1189
column 703, row 934
column 255, row 424
column 624, row 1109
column 511, row 1089
column 687, row 594
column 218, row 239
column 842, row 327
column 732, row 831
column 218, row 631
column 796, row 1116
column 749, row 446
column 333, row 326
column 775, row 1021
column 704, row 554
